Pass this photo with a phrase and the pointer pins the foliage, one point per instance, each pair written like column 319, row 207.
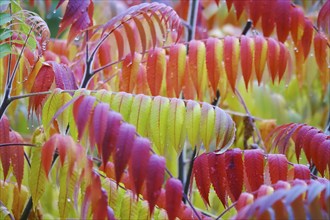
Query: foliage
column 165, row 110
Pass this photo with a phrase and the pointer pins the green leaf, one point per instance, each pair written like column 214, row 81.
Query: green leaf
column 5, row 18
column 122, row 103
column 193, row 117
column 4, row 5
column 207, row 124
column 5, row 49
column 128, row 207
column 54, row 102
column 5, row 34
column 140, row 113
column 67, row 186
column 158, row 122
column 175, row 130
column 37, row 176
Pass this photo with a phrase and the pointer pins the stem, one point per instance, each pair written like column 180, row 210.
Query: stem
column 226, row 210
column 16, row 144
column 192, row 19
column 187, row 184
column 241, row 100
column 27, row 209
column 6, row 99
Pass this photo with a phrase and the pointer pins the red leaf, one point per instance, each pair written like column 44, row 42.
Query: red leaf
column 48, row 150
column 42, row 83
column 17, row 156
column 229, row 4
column 314, row 144
column 323, row 156
column 278, row 167
column 239, row 6
column 156, row 64
column 64, row 78
column 202, row 176
column 155, row 178
column 283, row 19
column 323, row 19
column 82, row 23
column 139, row 163
column 306, row 142
column 283, row 60
column 173, row 197
column 255, row 11
column 301, row 172
column 246, row 59
column 231, row 54
column 111, row 134
column 307, row 37
column 254, row 168
column 218, row 176
column 4, row 151
column 321, row 50
column 130, row 38
column 74, row 10
column 124, row 146
column 213, row 62
column 298, row 139
column 260, row 56
column 244, row 200
column 273, row 58
column 268, row 17
column 82, row 111
column 120, row 43
column 297, row 23
column 100, row 123
column 234, row 170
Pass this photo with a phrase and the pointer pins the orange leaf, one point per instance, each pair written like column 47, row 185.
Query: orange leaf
column 202, row 176
column 231, row 54
column 239, row 6
column 234, row 170
column 283, row 60
column 254, row 168
column 260, row 56
column 196, row 64
column 278, row 167
column 173, row 197
column 156, row 64
column 130, row 69
column 214, row 54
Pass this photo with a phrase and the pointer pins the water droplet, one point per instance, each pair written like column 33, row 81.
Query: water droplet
column 28, row 128
column 77, row 38
column 286, row 85
column 312, row 55
column 69, row 200
column 54, row 12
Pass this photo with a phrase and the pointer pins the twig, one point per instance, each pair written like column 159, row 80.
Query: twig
column 250, row 118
